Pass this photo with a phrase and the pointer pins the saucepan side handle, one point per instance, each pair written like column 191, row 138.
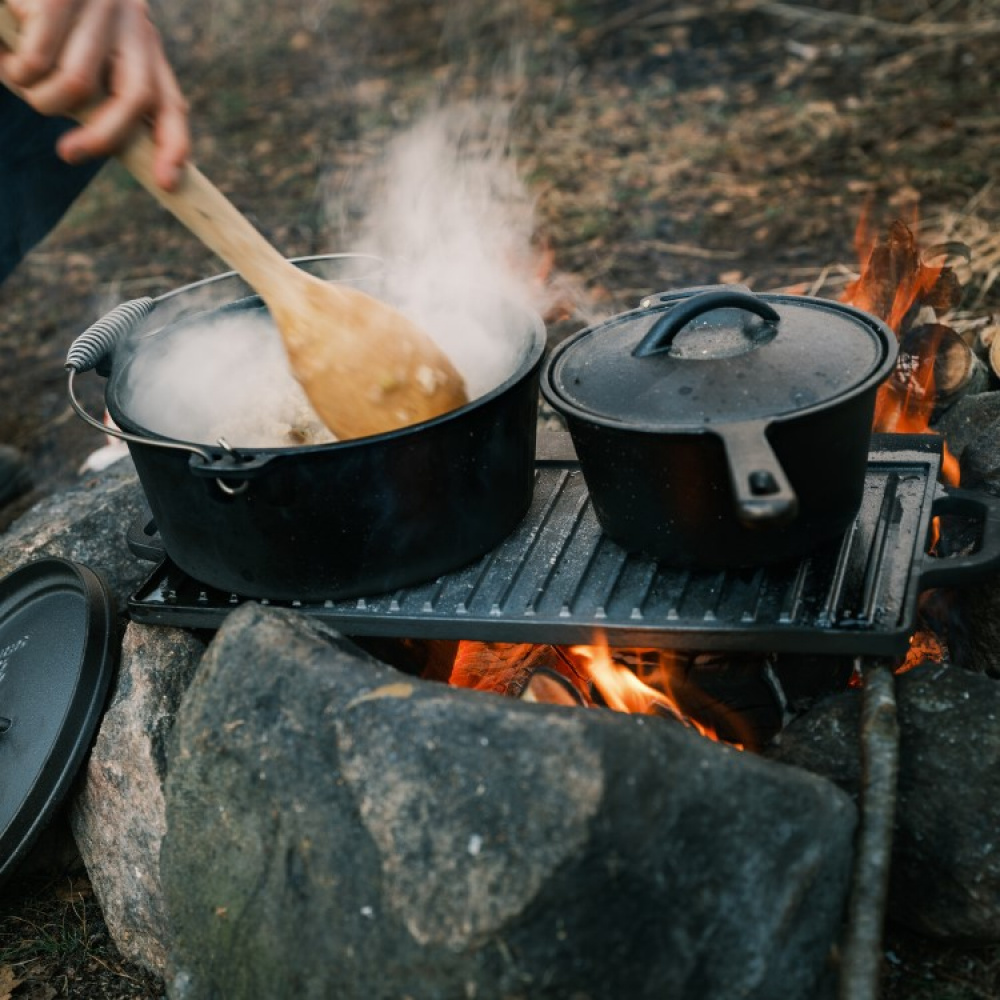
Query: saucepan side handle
column 764, row 496
column 230, row 464
column 957, row 571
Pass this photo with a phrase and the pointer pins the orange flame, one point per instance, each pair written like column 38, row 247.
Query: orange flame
column 623, row 691
column 893, row 277
column 893, row 280
column 592, row 673
column 925, row 646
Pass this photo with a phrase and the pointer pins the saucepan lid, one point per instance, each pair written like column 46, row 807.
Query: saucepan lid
column 722, row 355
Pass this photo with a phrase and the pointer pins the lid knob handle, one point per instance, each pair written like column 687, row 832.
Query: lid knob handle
column 662, row 333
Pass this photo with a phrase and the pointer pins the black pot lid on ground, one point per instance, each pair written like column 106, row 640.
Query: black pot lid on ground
column 721, row 355
column 56, row 660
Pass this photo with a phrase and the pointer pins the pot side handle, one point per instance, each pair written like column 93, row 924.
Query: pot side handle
column 93, row 349
column 662, row 333
column 98, row 341
column 764, row 496
column 958, row 571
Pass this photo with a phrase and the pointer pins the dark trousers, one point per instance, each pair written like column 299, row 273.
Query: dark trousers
column 36, row 187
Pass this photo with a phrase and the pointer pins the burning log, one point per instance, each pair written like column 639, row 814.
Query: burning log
column 896, row 282
column 936, row 365
column 548, row 687
column 936, row 368
column 512, row 669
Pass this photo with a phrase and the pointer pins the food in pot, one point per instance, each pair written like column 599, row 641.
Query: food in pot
column 226, row 376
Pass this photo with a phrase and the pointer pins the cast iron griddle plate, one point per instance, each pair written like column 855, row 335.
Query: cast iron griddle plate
column 558, row 579
column 56, row 661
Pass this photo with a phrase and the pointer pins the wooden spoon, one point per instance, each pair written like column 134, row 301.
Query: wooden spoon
column 364, row 366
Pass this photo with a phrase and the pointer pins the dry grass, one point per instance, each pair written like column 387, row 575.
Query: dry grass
column 53, row 943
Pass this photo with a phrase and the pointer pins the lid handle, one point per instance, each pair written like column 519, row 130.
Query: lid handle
column 764, row 496
column 662, row 333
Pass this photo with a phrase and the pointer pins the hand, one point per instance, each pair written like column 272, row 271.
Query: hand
column 73, row 53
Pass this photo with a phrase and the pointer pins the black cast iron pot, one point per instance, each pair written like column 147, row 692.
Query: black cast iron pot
column 720, row 429
column 325, row 521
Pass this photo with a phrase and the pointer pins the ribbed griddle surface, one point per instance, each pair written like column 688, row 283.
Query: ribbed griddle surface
column 558, row 579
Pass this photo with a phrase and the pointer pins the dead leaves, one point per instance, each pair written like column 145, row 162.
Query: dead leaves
column 8, row 982
column 33, row 989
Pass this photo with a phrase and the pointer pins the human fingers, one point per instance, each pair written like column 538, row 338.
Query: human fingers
column 130, row 89
column 43, row 27
column 141, row 88
column 170, row 128
column 76, row 78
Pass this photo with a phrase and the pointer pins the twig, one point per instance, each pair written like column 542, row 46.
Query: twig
column 659, row 13
column 633, row 15
column 862, row 952
column 689, row 250
column 865, row 22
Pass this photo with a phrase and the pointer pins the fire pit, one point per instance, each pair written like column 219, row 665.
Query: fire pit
column 557, row 579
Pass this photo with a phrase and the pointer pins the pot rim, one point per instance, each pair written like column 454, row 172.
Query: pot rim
column 875, row 376
column 532, row 352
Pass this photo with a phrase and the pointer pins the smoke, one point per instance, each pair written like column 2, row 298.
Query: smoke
column 224, row 378
column 451, row 217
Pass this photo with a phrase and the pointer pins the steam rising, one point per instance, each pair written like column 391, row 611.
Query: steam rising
column 454, row 222
column 449, row 216
column 227, row 379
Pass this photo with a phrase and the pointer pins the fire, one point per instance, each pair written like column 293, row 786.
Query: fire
column 893, row 278
column 633, row 681
column 894, row 284
column 925, row 645
column 622, row 690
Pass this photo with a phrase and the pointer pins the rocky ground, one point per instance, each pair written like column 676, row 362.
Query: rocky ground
column 662, row 145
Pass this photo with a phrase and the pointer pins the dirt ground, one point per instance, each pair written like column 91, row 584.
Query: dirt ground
column 664, row 145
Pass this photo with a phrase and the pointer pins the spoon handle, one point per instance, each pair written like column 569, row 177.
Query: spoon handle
column 196, row 202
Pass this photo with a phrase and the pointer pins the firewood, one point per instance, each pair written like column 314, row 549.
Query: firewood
column 508, row 668
column 551, row 688
column 897, row 282
column 956, row 368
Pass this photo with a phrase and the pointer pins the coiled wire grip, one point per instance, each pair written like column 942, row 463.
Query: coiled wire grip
column 95, row 345
column 98, row 341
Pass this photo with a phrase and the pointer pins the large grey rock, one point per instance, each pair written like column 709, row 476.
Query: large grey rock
column 945, row 875
column 337, row 828
column 970, row 428
column 118, row 817
column 86, row 524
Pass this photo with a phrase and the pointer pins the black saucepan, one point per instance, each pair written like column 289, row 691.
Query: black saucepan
column 330, row 520
column 719, row 428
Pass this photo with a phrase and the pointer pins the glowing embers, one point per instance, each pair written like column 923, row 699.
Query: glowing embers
column 733, row 698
